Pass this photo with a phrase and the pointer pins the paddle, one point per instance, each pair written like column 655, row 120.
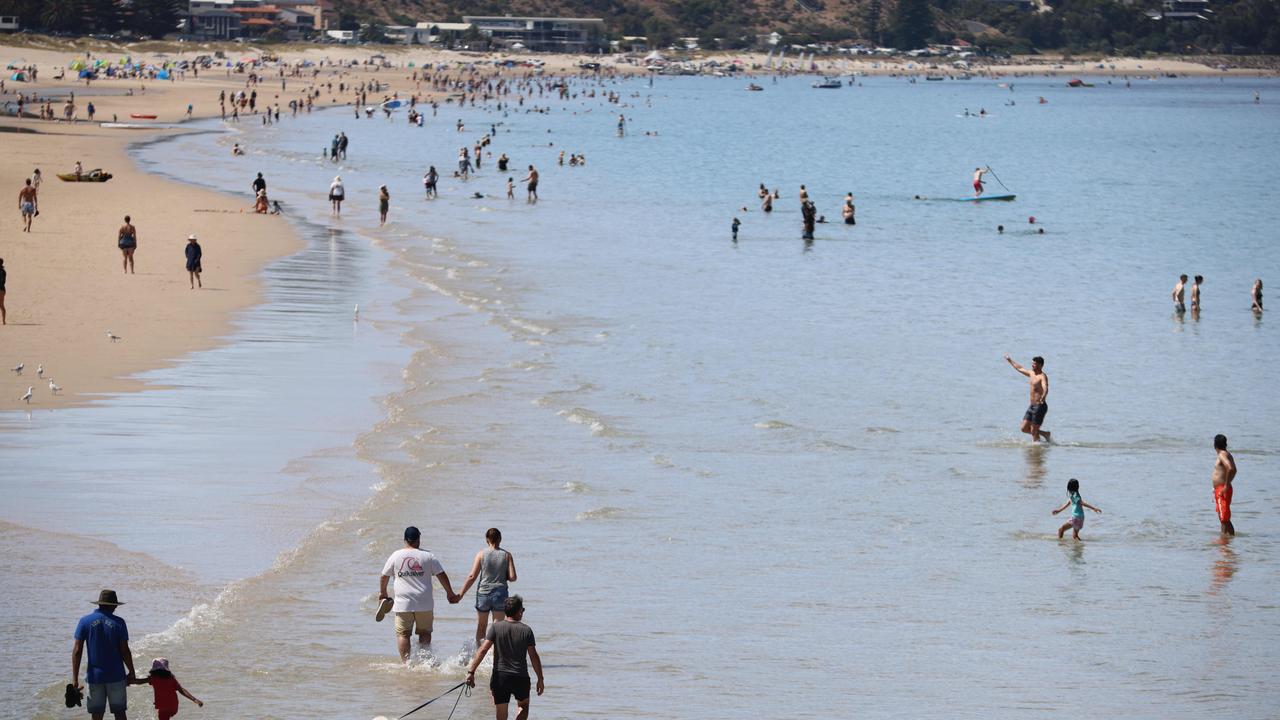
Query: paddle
column 997, row 177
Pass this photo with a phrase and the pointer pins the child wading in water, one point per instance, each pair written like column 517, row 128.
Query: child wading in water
column 1077, row 505
column 166, row 688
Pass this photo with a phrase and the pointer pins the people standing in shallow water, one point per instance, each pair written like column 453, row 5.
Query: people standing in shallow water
column 337, row 193
column 848, row 211
column 1256, row 295
column 532, row 180
column 1224, row 473
column 1039, row 406
column 1077, row 505
column 384, row 204
column 1177, row 295
column 734, row 228
column 809, row 215
column 429, row 181
column 767, row 204
column 491, row 570
column 1195, row 294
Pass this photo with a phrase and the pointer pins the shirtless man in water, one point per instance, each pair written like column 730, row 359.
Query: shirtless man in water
column 977, row 181
column 1034, row 417
column 1177, row 294
column 1224, row 471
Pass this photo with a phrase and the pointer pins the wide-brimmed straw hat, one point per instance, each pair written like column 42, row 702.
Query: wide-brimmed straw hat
column 191, row 237
column 107, row 597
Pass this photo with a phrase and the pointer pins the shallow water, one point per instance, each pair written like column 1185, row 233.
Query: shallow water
column 714, row 462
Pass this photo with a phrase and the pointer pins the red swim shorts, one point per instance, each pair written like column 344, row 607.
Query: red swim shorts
column 1222, row 500
column 977, row 185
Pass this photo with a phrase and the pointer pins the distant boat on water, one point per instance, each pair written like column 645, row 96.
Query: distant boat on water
column 754, row 87
column 829, row 84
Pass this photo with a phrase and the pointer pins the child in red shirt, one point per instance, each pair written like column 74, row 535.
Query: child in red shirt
column 166, row 688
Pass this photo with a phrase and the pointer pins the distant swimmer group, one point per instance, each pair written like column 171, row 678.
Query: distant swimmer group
column 1178, row 296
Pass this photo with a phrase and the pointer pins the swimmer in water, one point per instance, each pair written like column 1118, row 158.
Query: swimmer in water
column 1256, row 295
column 1177, row 295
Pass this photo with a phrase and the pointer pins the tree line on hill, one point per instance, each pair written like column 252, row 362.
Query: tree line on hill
column 1105, row 26
column 152, row 18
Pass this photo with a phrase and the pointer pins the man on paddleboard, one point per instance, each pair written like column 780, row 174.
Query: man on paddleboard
column 977, row 181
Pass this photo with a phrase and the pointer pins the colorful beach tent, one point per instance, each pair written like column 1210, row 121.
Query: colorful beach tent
column 19, row 76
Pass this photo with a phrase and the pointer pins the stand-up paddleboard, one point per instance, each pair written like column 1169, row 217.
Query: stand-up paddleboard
column 980, row 198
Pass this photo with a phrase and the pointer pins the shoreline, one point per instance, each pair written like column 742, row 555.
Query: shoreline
column 66, row 287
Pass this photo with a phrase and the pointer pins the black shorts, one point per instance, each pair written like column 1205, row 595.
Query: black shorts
column 1035, row 413
column 504, row 685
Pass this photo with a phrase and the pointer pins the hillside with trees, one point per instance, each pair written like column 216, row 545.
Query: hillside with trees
column 1103, row 26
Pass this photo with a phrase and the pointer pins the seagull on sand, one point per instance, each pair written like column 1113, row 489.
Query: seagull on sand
column 55, row 389
column 27, row 398
column 113, row 337
column 40, row 371
column 18, row 368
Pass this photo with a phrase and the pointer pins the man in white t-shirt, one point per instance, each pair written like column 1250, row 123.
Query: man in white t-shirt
column 414, row 603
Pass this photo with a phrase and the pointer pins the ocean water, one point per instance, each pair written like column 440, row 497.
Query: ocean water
column 767, row 478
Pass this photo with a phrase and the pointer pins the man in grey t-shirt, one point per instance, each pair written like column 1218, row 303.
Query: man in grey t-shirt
column 511, row 640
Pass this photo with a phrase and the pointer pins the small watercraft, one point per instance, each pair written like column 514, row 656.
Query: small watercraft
column 142, row 116
column 754, row 87
column 829, row 84
column 982, row 198
column 94, row 175
column 1077, row 82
